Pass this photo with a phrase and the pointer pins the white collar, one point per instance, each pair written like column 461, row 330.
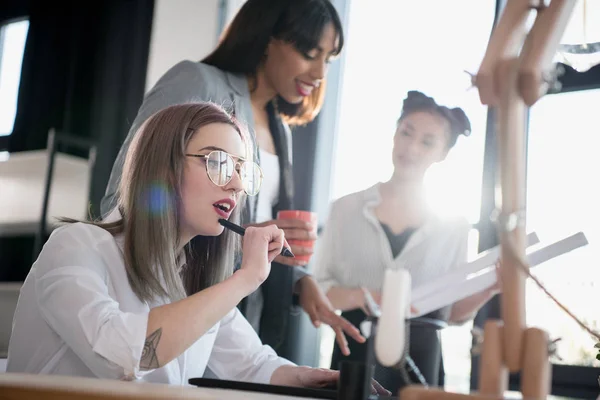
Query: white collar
column 372, row 198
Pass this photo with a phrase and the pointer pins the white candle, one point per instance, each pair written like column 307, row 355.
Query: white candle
column 395, row 307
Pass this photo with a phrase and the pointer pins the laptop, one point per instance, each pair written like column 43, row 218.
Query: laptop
column 328, row 393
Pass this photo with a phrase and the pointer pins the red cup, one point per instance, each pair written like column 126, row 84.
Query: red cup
column 306, row 216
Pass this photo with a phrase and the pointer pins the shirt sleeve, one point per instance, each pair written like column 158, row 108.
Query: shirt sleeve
column 298, row 273
column 74, row 300
column 325, row 257
column 238, row 353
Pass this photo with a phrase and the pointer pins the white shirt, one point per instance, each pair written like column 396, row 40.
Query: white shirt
column 354, row 250
column 269, row 190
column 77, row 315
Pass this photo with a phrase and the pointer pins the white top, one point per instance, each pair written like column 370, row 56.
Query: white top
column 354, row 250
column 77, row 315
column 269, row 190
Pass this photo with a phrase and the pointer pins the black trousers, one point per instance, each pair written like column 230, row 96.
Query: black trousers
column 424, row 348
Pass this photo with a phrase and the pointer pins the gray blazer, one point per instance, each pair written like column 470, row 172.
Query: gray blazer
column 188, row 82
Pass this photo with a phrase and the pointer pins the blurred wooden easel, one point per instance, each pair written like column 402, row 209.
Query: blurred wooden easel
column 516, row 72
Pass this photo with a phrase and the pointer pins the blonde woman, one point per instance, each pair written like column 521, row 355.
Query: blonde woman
column 149, row 293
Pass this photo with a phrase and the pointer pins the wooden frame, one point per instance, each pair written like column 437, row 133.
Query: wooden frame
column 515, row 73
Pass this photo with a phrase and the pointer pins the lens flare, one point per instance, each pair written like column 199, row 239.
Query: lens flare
column 157, row 198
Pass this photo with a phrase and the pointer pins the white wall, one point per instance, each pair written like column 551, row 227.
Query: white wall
column 181, row 30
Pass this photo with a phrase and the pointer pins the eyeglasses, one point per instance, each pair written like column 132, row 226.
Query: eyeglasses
column 220, row 167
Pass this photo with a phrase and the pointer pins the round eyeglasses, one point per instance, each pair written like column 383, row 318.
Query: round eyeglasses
column 220, row 167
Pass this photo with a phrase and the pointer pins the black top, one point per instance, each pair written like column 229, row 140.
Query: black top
column 397, row 241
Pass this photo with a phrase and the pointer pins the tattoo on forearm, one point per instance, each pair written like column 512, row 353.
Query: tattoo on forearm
column 149, row 359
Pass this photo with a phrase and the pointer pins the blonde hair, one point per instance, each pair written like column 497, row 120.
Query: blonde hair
column 149, row 200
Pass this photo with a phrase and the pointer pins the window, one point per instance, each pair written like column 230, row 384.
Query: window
column 228, row 10
column 12, row 46
column 376, row 79
column 429, row 51
column 563, row 198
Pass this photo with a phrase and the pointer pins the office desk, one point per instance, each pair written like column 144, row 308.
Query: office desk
column 22, row 183
column 52, row 387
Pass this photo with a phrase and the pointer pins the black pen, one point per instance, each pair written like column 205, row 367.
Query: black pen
column 286, row 252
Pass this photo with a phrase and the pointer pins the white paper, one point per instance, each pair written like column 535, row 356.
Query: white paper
column 458, row 275
column 480, row 274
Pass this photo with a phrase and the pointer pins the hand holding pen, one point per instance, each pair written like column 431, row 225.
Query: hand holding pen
column 301, row 236
column 285, row 251
column 261, row 245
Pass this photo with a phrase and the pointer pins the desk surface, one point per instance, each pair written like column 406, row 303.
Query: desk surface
column 26, row 387
column 22, row 183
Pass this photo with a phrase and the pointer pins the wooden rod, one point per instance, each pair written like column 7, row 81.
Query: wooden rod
column 536, row 372
column 493, row 375
column 512, row 155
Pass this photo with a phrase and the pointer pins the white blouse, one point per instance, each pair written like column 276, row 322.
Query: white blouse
column 354, row 250
column 77, row 315
column 269, row 190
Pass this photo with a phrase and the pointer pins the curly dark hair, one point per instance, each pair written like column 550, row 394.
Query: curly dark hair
column 416, row 101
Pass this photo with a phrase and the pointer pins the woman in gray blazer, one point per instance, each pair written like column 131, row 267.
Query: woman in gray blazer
column 269, row 71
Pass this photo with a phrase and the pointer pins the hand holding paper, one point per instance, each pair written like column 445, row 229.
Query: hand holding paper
column 480, row 274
